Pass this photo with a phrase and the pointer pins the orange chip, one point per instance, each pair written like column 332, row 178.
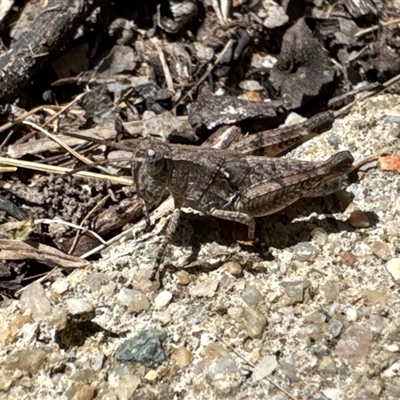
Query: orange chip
column 390, row 163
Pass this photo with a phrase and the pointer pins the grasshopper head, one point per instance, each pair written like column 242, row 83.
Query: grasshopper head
column 151, row 156
column 150, row 170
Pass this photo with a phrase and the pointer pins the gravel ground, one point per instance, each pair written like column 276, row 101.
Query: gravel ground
column 315, row 316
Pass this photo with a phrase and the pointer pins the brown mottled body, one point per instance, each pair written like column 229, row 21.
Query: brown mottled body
column 230, row 185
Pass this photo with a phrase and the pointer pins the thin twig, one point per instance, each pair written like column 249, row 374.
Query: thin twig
column 60, row 142
column 167, row 73
column 362, row 32
column 70, row 224
column 52, row 169
column 63, row 109
column 93, row 210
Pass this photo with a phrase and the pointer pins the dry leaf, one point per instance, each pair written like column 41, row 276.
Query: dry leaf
column 18, row 250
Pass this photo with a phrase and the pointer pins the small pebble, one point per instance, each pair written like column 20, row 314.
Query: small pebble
column 250, row 85
column 319, row 351
column 85, row 392
column 60, row 285
column 34, row 299
column 376, row 323
column 181, row 357
column 162, row 299
column 354, row 343
column 393, row 348
column 333, row 394
column 135, row 300
column 163, row 317
column 327, row 366
column 252, row 296
column 304, row 251
column 331, row 290
column 351, row 314
column 152, row 375
column 393, row 267
column 146, row 348
column 319, row 236
column 295, row 290
column 264, row 367
column 358, row 219
column 235, row 312
column 382, row 250
column 184, row 277
column 29, row 360
column 234, row 268
column 348, row 258
column 374, row 386
column 80, row 307
column 376, row 296
column 206, row 288
column 336, row 327
column 255, row 322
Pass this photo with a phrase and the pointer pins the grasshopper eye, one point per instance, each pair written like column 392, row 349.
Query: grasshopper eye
column 155, row 162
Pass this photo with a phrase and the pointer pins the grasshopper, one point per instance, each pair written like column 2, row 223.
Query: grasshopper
column 232, row 183
column 229, row 185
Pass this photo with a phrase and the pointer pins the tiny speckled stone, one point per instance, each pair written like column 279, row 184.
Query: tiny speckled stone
column 206, row 288
column 181, row 357
column 184, row 277
column 358, row 219
column 348, row 258
column 304, row 251
column 252, row 296
column 295, row 290
column 255, row 322
column 234, row 268
column 351, row 314
column 135, row 300
column 145, row 348
column 162, row 299
column 393, row 267
column 336, row 327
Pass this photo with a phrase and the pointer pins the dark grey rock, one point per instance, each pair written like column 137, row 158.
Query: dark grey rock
column 145, row 348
